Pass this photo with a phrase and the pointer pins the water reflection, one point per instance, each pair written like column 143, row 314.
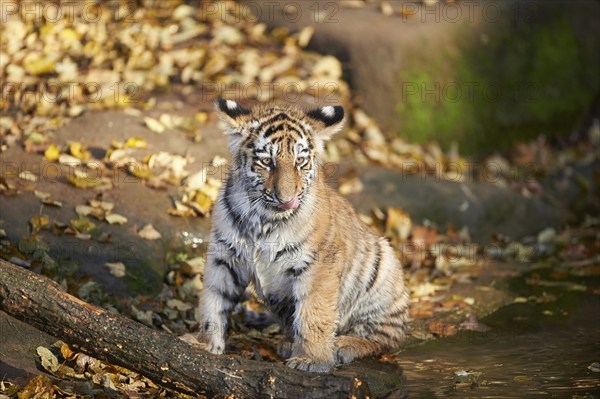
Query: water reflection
column 533, row 349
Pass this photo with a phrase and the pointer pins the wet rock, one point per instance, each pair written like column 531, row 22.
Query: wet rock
column 482, row 207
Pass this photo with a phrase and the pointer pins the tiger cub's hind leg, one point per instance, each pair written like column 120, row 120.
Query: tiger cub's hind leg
column 349, row 348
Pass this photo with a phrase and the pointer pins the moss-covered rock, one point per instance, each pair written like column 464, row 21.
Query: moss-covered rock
column 509, row 84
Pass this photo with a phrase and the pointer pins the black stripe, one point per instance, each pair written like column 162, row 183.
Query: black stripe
column 297, row 271
column 271, row 131
column 396, row 324
column 284, row 308
column 230, row 211
column 230, row 269
column 375, row 270
column 231, row 297
column 397, row 313
column 357, row 263
column 279, row 117
column 225, row 311
column 289, row 248
column 384, row 334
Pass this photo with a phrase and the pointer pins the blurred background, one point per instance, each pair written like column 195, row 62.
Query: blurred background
column 472, row 143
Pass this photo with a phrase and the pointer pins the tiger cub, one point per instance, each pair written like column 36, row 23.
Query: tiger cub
column 336, row 288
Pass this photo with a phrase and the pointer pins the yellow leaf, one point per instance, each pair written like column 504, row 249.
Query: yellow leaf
column 82, row 224
column 69, row 34
column 83, row 181
column 38, row 221
column 202, row 203
column 52, row 152
column 140, row 170
column 397, row 223
column 78, row 151
column 136, row 142
column 201, row 117
column 40, row 66
column 39, row 387
column 66, row 352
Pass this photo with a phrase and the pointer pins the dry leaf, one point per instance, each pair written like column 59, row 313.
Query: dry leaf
column 28, row 176
column 38, row 221
column 48, row 359
column 154, row 125
column 52, row 152
column 78, row 151
column 115, row 218
column 397, row 223
column 148, row 232
column 117, row 269
column 441, row 329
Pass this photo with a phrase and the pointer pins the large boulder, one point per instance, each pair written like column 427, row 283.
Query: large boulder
column 481, row 73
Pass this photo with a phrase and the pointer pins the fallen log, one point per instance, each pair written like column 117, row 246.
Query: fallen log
column 164, row 358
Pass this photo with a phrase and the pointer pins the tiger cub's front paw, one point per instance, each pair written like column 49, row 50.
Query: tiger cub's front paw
column 214, row 346
column 307, row 364
column 192, row 339
column 284, row 349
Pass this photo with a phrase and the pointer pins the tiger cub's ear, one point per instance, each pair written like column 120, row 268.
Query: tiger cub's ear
column 328, row 120
column 231, row 112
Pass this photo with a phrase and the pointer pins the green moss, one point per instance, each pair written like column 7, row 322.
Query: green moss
column 523, row 82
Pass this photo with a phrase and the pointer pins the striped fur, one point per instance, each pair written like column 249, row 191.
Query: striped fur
column 337, row 289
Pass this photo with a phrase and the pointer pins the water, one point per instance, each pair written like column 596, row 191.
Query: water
column 540, row 348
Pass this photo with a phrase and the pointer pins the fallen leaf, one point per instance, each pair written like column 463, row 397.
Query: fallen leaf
column 117, row 269
column 82, row 224
column 48, row 359
column 386, row 9
column 595, row 367
column 115, row 218
column 41, row 194
column 148, row 232
column 397, row 223
column 104, row 205
column 136, row 142
column 52, row 152
column 154, row 125
column 423, row 236
column 37, row 222
column 179, row 305
column 425, row 289
column 28, row 176
column 39, row 387
column 442, row 329
column 78, row 151
column 351, row 185
column 66, row 159
column 66, row 352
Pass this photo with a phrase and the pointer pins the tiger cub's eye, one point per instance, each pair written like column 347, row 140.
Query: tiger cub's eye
column 300, row 161
column 265, row 162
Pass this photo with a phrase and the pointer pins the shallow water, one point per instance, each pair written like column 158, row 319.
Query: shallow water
column 541, row 348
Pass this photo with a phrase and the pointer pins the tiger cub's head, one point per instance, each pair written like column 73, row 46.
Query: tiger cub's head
column 275, row 149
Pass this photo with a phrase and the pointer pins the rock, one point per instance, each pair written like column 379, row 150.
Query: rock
column 484, row 208
column 483, row 74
